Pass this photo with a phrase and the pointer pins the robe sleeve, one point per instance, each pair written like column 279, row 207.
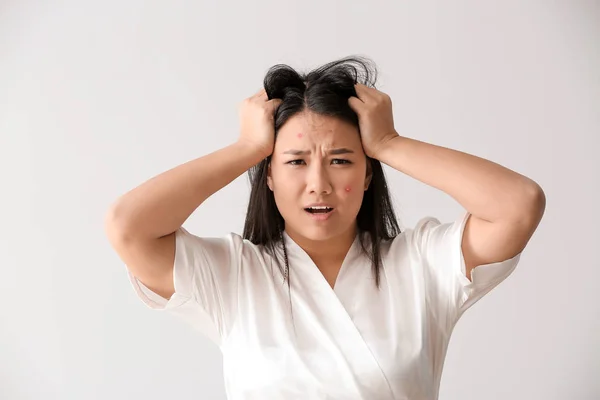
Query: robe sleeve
column 448, row 290
column 205, row 274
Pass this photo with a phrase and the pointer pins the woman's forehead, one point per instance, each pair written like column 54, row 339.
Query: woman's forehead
column 312, row 128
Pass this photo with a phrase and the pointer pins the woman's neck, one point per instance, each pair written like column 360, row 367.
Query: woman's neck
column 327, row 252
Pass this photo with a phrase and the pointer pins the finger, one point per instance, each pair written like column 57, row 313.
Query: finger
column 355, row 104
column 273, row 104
column 364, row 92
column 259, row 93
column 263, row 96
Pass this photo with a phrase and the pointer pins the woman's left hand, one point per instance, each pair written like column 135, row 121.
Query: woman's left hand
column 376, row 122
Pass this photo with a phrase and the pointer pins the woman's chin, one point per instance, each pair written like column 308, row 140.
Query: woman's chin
column 320, row 233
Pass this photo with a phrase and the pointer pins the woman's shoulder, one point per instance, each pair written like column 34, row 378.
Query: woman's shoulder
column 231, row 241
column 390, row 246
column 408, row 239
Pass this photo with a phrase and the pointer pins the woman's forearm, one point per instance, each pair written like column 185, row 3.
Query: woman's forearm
column 161, row 205
column 484, row 188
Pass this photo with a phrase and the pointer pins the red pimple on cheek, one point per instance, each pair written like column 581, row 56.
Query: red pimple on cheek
column 348, row 189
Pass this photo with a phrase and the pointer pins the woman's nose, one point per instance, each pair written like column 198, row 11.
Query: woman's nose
column 318, row 180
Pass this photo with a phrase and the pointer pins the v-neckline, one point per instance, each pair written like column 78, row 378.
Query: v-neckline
column 333, row 310
column 296, row 251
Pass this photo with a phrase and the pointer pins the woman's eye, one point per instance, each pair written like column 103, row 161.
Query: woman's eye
column 340, row 161
column 295, row 162
column 334, row 161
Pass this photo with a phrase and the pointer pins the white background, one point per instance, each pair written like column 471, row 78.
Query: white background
column 97, row 97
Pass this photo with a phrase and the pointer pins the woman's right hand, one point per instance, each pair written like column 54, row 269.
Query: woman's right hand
column 257, row 126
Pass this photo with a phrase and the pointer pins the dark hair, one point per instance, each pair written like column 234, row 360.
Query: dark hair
column 324, row 91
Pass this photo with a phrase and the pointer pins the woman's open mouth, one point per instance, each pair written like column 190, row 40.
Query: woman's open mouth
column 319, row 213
column 318, row 210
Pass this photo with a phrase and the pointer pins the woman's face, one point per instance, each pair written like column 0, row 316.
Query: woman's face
column 318, row 161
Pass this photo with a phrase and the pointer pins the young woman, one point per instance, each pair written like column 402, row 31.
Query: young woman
column 356, row 309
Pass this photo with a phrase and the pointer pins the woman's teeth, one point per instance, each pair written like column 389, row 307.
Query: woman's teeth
column 318, row 209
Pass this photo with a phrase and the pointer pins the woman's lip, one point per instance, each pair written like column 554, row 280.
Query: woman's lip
column 320, row 216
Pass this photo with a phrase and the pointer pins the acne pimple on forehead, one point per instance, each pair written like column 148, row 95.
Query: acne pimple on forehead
column 300, row 134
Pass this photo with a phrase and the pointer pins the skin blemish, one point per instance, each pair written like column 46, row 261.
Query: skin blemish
column 348, row 189
column 299, row 135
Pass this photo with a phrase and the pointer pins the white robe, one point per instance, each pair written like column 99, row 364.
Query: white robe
column 350, row 342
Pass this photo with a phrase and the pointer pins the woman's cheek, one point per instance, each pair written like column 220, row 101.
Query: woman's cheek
column 350, row 193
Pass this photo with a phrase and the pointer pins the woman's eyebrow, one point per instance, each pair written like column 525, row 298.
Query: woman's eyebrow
column 342, row 150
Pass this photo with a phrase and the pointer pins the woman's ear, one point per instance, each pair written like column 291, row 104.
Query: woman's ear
column 369, row 175
column 269, row 178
